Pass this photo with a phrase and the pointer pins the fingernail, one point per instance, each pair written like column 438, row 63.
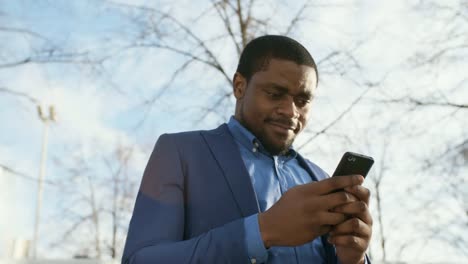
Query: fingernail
column 359, row 179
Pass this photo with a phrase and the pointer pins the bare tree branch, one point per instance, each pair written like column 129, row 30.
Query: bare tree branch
column 189, row 55
column 149, row 103
column 97, row 198
column 19, row 94
column 221, row 10
column 213, row 61
column 215, row 106
column 418, row 102
column 337, row 119
column 242, row 23
column 14, row 172
column 437, row 55
column 297, row 18
column 71, row 230
column 24, row 31
column 52, row 57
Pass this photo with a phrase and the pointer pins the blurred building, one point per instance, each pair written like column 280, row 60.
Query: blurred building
column 7, row 195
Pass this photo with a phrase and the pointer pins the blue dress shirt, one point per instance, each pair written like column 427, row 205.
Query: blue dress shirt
column 271, row 176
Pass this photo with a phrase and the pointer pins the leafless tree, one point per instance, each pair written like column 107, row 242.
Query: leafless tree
column 95, row 211
column 443, row 103
column 233, row 24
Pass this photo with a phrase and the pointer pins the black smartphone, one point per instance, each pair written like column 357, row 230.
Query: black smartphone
column 354, row 163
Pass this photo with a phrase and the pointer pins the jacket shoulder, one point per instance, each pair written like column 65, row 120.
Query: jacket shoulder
column 189, row 138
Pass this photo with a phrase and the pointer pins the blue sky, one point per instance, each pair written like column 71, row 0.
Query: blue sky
column 98, row 108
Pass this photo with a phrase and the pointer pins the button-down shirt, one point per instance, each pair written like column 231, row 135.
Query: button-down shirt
column 272, row 176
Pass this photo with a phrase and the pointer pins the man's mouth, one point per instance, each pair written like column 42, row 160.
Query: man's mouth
column 283, row 126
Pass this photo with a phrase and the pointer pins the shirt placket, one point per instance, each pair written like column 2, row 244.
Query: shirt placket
column 279, row 163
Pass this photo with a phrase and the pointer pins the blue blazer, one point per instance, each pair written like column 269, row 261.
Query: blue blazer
column 193, row 197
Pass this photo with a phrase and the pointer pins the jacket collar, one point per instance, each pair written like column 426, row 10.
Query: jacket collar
column 226, row 153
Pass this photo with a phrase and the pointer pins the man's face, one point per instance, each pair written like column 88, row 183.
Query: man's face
column 275, row 103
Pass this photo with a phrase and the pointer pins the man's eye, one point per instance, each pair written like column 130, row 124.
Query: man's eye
column 301, row 102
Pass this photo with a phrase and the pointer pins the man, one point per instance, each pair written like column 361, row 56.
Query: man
column 240, row 193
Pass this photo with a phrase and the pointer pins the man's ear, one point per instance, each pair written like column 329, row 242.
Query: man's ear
column 239, row 84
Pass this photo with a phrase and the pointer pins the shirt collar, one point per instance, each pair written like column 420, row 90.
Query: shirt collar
column 243, row 136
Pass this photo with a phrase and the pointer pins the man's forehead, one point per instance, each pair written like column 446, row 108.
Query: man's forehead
column 291, row 72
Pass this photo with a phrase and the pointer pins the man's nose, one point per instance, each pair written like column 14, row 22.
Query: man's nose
column 288, row 108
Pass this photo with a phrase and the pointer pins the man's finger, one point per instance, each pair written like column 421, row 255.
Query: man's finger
column 329, row 201
column 349, row 241
column 332, row 184
column 354, row 208
column 353, row 226
column 360, row 192
column 329, row 219
column 357, row 209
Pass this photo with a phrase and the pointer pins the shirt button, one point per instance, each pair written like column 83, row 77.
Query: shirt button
column 254, row 149
column 253, row 261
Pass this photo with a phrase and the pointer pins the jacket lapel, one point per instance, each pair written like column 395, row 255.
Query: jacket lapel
column 314, row 171
column 226, row 153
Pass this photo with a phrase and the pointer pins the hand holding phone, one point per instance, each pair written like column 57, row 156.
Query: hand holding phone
column 340, row 236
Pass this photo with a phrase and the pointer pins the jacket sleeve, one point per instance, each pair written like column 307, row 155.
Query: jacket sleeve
column 156, row 229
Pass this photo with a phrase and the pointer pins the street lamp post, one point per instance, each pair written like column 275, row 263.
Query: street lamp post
column 46, row 120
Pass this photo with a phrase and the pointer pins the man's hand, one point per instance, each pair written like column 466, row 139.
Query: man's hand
column 351, row 238
column 304, row 212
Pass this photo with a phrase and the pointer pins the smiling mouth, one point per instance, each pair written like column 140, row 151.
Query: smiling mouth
column 282, row 127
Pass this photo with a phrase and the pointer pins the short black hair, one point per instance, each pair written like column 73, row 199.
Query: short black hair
column 258, row 52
